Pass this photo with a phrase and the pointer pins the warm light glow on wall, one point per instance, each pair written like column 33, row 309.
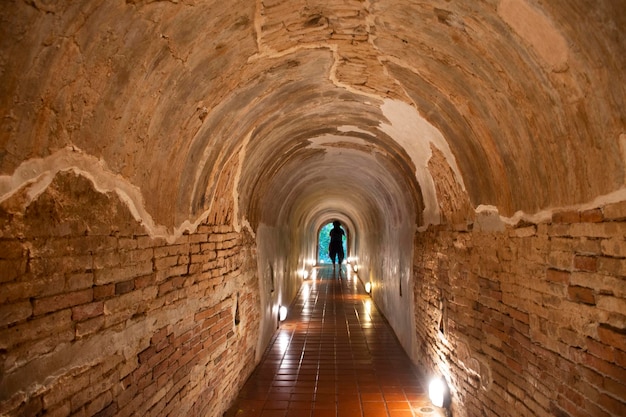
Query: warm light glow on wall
column 368, row 287
column 314, row 274
column 303, row 273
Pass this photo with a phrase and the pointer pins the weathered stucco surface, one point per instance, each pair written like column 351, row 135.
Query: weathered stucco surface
column 165, row 167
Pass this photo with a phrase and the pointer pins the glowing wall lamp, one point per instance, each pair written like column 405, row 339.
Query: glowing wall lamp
column 368, row 287
column 282, row 313
column 439, row 393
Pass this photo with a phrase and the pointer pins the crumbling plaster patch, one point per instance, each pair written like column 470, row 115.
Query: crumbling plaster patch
column 492, row 221
column 38, row 173
column 415, row 134
column 243, row 222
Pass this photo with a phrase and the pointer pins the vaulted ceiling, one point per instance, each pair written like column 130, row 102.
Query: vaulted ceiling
column 435, row 106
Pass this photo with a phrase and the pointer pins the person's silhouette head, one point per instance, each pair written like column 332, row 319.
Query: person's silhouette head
column 336, row 223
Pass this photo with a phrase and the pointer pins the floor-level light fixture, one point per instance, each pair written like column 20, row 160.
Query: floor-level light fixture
column 439, row 394
column 282, row 313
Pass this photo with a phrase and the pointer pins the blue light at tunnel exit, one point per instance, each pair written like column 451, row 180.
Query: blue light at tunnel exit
column 322, row 244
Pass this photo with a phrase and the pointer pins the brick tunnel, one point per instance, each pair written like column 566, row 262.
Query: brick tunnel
column 166, row 167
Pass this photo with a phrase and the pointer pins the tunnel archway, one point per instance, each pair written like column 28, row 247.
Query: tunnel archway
column 167, row 165
column 323, row 240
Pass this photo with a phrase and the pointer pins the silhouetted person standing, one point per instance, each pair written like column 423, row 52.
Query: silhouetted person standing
column 335, row 249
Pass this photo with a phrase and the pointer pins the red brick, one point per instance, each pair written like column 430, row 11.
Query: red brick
column 146, row 354
column 566, row 217
column 617, row 388
column 124, row 287
column 180, row 340
column 35, row 329
column 165, row 263
column 594, row 410
column 13, row 313
column 103, row 291
column 614, row 406
column 620, row 358
column 600, row 350
column 612, row 336
column 555, row 275
column 87, row 311
column 581, row 294
column 161, row 368
column 145, row 281
column 166, row 287
column 90, row 326
column 108, row 411
column 159, row 336
column 62, row 301
column 605, row 368
column 586, row 263
column 592, row 216
column 205, row 314
column 124, row 273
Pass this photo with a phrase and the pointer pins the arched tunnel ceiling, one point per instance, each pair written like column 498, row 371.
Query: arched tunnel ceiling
column 519, row 104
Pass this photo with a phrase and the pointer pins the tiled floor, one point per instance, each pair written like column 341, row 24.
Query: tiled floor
column 334, row 356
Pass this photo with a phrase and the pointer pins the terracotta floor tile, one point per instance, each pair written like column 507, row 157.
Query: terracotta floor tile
column 371, row 396
column 298, row 413
column 400, row 413
column 349, row 398
column 394, row 396
column 374, row 406
column 398, row 405
column 273, row 404
column 343, row 407
column 243, row 413
column 274, row 413
column 350, row 413
column 375, row 413
column 308, row 396
column 325, row 398
column 324, row 413
column 301, row 405
column 332, row 357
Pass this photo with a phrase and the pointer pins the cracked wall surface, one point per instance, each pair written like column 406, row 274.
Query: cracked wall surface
column 130, row 128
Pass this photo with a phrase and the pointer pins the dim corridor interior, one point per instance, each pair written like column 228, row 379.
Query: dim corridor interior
column 334, row 355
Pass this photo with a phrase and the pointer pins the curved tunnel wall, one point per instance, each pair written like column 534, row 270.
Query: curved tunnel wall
column 165, row 165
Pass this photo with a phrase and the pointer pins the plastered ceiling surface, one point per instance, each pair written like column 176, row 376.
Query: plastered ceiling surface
column 522, row 102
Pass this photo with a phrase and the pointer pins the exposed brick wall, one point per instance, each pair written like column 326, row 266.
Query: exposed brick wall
column 530, row 321
column 99, row 319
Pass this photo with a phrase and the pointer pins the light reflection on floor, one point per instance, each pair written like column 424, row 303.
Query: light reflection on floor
column 334, row 356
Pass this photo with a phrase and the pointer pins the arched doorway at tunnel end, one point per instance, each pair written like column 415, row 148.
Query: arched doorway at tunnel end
column 323, row 241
